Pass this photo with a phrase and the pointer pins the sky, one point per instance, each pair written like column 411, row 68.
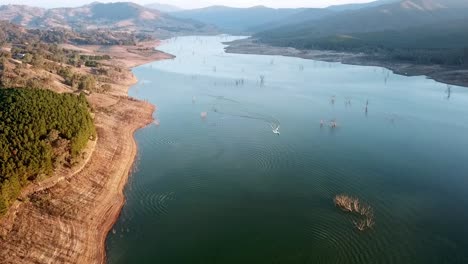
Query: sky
column 191, row 3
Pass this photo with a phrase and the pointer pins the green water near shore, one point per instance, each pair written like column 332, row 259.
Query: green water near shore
column 226, row 189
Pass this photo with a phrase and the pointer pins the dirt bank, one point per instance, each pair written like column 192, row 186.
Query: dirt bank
column 448, row 75
column 67, row 219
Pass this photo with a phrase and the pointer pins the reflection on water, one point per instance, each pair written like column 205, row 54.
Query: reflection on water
column 215, row 185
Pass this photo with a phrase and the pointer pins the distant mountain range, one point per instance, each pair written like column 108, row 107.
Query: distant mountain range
column 121, row 16
column 254, row 19
column 394, row 16
column 237, row 20
column 301, row 16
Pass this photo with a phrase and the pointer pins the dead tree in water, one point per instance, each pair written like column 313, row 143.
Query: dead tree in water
column 449, row 91
column 367, row 104
column 262, row 80
column 239, row 82
column 353, row 205
column 364, row 224
column 347, row 101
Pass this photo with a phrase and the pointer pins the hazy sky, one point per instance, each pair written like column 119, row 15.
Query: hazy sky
column 193, row 3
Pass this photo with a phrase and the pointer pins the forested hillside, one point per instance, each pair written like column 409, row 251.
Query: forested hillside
column 39, row 130
column 445, row 44
column 394, row 16
column 417, row 31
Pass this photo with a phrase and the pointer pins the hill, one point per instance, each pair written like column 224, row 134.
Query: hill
column 441, row 44
column 304, row 15
column 410, row 37
column 347, row 7
column 400, row 15
column 451, row 35
column 20, row 14
column 120, row 16
column 396, row 16
column 164, row 7
column 237, row 20
column 41, row 130
column 15, row 34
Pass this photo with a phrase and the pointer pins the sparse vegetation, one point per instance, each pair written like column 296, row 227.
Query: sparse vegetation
column 18, row 35
column 33, row 63
column 354, row 205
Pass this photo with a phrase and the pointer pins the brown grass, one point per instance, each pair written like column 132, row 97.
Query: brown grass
column 353, row 205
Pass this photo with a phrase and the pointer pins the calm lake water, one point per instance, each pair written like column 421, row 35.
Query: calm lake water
column 226, row 189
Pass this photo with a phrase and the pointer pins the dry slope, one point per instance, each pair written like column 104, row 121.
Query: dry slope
column 68, row 222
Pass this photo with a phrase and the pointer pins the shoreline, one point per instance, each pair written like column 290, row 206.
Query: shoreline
column 76, row 212
column 442, row 74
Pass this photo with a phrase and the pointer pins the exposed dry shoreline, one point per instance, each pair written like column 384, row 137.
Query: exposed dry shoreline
column 72, row 212
column 439, row 73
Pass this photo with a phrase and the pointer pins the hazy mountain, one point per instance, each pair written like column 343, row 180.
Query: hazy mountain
column 164, row 7
column 122, row 16
column 21, row 15
column 360, row 6
column 305, row 15
column 237, row 20
column 394, row 16
column 311, row 14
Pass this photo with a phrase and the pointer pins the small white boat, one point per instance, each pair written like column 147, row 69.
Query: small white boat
column 276, row 130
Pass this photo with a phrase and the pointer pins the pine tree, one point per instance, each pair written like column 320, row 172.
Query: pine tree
column 33, row 125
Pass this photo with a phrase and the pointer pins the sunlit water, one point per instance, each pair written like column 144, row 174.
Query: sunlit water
column 226, row 189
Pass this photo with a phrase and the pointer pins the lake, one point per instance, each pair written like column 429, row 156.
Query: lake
column 214, row 184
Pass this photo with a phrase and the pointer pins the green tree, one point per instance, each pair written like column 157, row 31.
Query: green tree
column 87, row 82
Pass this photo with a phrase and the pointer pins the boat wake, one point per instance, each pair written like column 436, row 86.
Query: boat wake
column 230, row 107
